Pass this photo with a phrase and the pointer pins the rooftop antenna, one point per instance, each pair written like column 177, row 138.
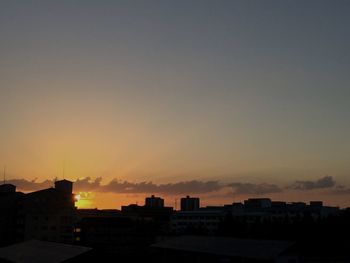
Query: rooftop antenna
column 4, row 174
column 63, row 168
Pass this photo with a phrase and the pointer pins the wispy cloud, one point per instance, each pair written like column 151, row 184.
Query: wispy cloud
column 324, row 182
column 89, row 184
column 30, row 185
column 185, row 187
column 340, row 190
column 257, row 189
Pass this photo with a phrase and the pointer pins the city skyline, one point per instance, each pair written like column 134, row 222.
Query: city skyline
column 46, row 221
column 183, row 200
column 92, row 193
column 224, row 100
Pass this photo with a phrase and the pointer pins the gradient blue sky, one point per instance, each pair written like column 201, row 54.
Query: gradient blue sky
column 175, row 90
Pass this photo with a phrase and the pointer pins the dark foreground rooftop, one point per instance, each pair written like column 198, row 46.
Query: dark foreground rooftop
column 40, row 251
column 231, row 247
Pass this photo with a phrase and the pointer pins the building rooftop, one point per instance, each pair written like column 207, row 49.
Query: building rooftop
column 232, row 247
column 41, row 251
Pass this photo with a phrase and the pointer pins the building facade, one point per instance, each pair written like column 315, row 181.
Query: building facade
column 154, row 201
column 190, row 203
column 47, row 214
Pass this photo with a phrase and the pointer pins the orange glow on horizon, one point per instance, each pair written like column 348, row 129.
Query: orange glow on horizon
column 84, row 200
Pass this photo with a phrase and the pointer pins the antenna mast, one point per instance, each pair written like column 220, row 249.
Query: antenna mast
column 63, row 168
column 4, row 174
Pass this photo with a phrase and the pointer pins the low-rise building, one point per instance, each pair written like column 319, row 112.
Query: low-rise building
column 196, row 221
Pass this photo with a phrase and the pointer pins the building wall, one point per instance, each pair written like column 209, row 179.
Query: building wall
column 47, row 215
column 206, row 221
column 154, row 201
column 190, row 204
column 8, row 214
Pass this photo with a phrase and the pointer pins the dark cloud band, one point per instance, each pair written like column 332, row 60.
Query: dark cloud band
column 324, row 182
column 183, row 187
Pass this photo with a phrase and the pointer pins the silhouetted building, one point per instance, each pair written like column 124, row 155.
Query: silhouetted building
column 83, row 213
column 201, row 221
column 118, row 235
column 190, row 203
column 154, row 202
column 9, row 199
column 7, row 188
column 103, row 231
column 258, row 203
column 234, row 208
column 95, row 225
column 153, row 209
column 253, row 211
column 47, row 214
column 147, row 213
column 64, row 186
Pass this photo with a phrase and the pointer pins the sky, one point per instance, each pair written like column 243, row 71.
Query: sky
column 221, row 99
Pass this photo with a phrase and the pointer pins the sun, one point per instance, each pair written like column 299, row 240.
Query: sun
column 84, row 200
column 77, row 198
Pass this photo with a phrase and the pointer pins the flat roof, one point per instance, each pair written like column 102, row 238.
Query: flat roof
column 35, row 251
column 232, row 247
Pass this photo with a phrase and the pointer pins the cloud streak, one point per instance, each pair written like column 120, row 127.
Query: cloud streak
column 324, row 182
column 89, row 184
column 256, row 189
column 185, row 187
column 30, row 185
column 340, row 190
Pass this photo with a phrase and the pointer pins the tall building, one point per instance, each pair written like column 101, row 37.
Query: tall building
column 9, row 199
column 154, row 201
column 47, row 214
column 190, row 203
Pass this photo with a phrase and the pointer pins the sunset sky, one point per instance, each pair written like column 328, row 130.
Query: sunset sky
column 219, row 99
